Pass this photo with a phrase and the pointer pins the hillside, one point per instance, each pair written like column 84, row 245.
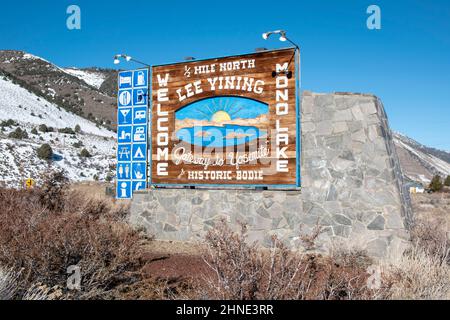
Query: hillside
column 420, row 163
column 77, row 91
column 22, row 109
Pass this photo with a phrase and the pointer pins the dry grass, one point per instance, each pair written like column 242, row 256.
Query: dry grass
column 423, row 271
column 8, row 283
column 433, row 209
column 417, row 275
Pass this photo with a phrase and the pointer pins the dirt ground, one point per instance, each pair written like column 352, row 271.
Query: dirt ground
column 174, row 260
column 165, row 259
column 93, row 189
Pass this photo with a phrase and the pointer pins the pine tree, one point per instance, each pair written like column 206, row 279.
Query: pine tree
column 436, row 184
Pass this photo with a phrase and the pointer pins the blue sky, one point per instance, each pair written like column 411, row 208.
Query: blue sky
column 236, row 107
column 406, row 63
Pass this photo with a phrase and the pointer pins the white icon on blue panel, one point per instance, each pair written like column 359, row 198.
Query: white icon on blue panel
column 125, row 79
column 124, row 152
column 124, row 190
column 139, row 133
column 125, row 116
column 125, row 98
column 140, row 115
column 139, row 171
column 124, row 134
column 124, row 170
column 140, row 78
column 139, row 150
column 139, row 185
column 140, row 97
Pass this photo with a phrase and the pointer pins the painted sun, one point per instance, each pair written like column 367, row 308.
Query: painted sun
column 220, row 116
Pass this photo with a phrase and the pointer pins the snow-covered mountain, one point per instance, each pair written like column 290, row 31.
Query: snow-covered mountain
column 88, row 93
column 20, row 108
column 419, row 162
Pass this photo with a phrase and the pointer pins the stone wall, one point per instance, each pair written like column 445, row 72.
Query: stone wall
column 352, row 186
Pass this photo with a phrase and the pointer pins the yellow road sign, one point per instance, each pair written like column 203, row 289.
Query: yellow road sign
column 29, row 183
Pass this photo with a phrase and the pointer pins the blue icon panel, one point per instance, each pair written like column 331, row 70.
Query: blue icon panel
column 140, row 133
column 140, row 78
column 139, row 185
column 139, row 171
column 125, row 116
column 140, row 115
column 140, row 97
column 139, row 152
column 125, row 98
column 125, row 79
column 124, row 170
column 124, row 189
column 132, row 129
column 124, row 152
column 124, row 134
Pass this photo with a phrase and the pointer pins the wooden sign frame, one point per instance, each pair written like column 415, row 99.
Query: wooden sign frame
column 230, row 122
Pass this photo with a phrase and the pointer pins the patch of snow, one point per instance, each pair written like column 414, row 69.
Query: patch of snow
column 51, row 92
column 92, row 78
column 29, row 56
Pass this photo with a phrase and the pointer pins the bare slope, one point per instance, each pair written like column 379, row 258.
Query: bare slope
column 420, row 163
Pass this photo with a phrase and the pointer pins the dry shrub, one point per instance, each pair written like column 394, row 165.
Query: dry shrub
column 309, row 239
column 423, row 271
column 417, row 275
column 51, row 193
column 45, row 230
column 236, row 264
column 344, row 276
column 431, row 238
column 244, row 271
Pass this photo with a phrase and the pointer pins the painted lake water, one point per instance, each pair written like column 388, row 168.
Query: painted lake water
column 220, row 136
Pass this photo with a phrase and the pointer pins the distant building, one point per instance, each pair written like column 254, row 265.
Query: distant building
column 415, row 187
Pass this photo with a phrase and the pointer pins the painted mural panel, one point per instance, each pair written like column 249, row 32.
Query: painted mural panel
column 226, row 122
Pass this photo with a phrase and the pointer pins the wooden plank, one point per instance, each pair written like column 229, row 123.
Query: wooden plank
column 193, row 97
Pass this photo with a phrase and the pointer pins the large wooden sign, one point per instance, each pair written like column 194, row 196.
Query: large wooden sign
column 229, row 121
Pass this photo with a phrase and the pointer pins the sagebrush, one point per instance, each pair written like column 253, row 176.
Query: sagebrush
column 46, row 230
